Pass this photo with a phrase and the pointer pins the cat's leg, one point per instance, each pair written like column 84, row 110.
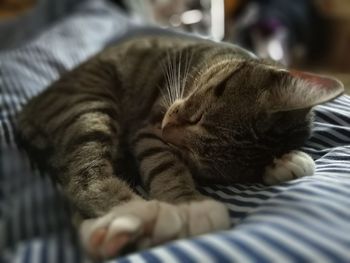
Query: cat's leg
column 163, row 173
column 292, row 165
column 143, row 224
column 86, row 146
column 168, row 179
column 178, row 209
column 83, row 160
column 79, row 135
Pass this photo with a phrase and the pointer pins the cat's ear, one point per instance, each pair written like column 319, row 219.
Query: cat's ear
column 301, row 90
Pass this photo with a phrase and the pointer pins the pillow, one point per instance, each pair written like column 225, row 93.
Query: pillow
column 306, row 220
column 14, row 31
column 29, row 203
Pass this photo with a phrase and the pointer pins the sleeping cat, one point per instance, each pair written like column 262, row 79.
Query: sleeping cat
column 187, row 111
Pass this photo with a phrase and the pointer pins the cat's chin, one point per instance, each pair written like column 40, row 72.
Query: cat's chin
column 174, row 136
column 180, row 137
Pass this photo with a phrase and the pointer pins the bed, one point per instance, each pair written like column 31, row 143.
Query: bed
column 306, row 220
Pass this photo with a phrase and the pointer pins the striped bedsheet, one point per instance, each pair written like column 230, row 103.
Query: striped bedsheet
column 307, row 220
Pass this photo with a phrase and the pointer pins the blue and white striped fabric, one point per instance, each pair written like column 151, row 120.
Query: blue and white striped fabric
column 307, row 220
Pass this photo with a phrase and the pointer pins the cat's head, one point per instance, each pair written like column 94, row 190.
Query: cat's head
column 240, row 114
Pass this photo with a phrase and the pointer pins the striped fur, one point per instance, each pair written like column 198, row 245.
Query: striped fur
column 303, row 220
column 183, row 119
column 84, row 116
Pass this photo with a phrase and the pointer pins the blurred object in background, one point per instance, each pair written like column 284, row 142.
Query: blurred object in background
column 282, row 30
column 11, row 8
column 334, row 8
column 202, row 17
column 337, row 15
column 287, row 31
column 21, row 20
column 309, row 34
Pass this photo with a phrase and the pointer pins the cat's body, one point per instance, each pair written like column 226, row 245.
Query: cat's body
column 187, row 110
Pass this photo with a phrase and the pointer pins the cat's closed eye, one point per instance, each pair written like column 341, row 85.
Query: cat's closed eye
column 196, row 118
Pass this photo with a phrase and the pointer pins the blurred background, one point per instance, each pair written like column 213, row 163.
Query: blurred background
column 312, row 35
column 308, row 34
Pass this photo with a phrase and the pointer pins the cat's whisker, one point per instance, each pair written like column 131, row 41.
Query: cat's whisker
column 187, row 69
column 165, row 99
column 178, row 85
column 171, row 80
column 181, row 79
column 183, row 82
column 175, row 75
column 168, row 73
column 178, row 75
column 166, row 96
column 171, row 77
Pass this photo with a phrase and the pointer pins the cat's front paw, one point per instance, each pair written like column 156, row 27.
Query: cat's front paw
column 142, row 224
column 290, row 166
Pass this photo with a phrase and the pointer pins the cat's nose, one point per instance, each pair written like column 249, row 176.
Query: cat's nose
column 171, row 129
column 170, row 120
column 171, row 117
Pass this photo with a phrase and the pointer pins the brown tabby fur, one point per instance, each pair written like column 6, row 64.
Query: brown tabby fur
column 229, row 128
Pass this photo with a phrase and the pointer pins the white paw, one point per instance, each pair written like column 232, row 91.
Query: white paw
column 290, row 166
column 204, row 216
column 142, row 224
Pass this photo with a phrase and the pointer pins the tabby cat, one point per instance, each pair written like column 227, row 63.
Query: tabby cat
column 181, row 110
